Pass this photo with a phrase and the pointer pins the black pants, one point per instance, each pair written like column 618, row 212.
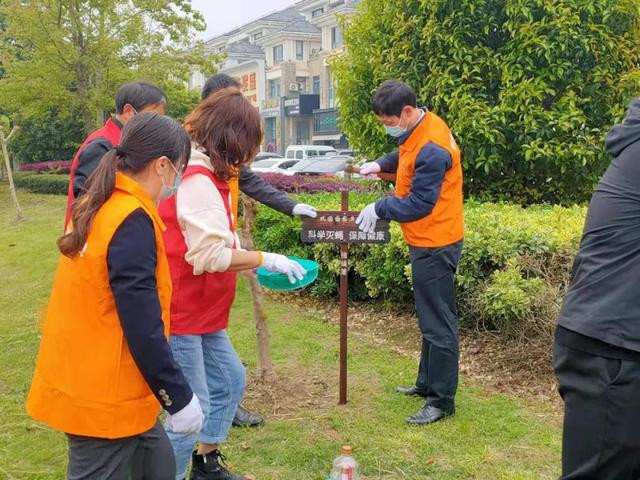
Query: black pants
column 433, row 271
column 601, row 435
column 148, row 456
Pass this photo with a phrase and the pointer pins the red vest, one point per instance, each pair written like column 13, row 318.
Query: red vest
column 200, row 304
column 112, row 132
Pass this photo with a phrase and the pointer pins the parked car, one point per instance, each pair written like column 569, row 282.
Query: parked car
column 303, row 152
column 266, row 155
column 325, row 166
column 273, row 165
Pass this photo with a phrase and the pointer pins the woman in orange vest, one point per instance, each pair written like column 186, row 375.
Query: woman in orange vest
column 204, row 255
column 105, row 367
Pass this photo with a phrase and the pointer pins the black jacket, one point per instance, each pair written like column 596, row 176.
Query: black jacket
column 603, row 301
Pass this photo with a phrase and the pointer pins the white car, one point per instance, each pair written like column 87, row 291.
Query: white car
column 272, row 165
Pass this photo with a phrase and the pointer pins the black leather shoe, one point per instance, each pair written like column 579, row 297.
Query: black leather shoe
column 429, row 414
column 244, row 418
column 412, row 390
column 211, row 467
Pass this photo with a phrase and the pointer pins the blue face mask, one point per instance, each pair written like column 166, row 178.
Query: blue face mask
column 395, row 131
column 166, row 191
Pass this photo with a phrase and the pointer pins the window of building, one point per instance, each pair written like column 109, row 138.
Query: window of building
column 331, row 90
column 316, row 84
column 299, row 50
column 317, row 12
column 274, row 88
column 302, row 84
column 278, row 54
column 336, row 37
column 302, row 132
column 270, row 134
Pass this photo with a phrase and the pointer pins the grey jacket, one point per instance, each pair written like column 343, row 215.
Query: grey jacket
column 254, row 186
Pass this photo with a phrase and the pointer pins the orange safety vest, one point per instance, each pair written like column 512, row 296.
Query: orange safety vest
column 234, row 187
column 445, row 224
column 86, row 382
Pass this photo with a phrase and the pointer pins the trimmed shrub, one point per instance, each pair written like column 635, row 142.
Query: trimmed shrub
column 308, row 184
column 53, row 166
column 42, row 183
column 514, row 269
column 529, row 87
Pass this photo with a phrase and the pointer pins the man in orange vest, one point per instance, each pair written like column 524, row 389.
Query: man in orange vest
column 429, row 207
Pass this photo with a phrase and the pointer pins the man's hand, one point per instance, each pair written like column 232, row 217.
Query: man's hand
column 370, row 168
column 305, row 210
column 368, row 218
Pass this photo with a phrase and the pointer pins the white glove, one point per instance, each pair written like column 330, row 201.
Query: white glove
column 305, row 210
column 368, row 218
column 369, row 168
column 275, row 262
column 188, row 420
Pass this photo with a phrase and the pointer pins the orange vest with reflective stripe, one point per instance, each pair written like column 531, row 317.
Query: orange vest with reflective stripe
column 445, row 224
column 86, row 381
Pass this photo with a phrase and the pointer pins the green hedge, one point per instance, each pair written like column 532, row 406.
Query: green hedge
column 42, row 182
column 513, row 272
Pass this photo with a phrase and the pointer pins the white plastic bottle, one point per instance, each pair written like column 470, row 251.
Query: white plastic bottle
column 345, row 467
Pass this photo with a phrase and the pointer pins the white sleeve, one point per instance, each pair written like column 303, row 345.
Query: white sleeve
column 205, row 225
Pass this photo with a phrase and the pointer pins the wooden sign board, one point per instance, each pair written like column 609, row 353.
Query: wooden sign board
column 340, row 227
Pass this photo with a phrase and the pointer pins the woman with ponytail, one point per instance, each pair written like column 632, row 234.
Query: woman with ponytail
column 105, row 368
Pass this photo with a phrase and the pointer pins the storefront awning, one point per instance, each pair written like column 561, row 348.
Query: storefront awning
column 320, row 138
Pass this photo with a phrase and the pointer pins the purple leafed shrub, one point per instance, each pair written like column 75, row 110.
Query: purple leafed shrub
column 53, row 166
column 306, row 184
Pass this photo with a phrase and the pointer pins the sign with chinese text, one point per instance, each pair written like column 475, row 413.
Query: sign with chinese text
column 341, row 227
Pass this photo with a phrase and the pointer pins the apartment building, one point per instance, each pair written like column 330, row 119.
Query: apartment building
column 282, row 62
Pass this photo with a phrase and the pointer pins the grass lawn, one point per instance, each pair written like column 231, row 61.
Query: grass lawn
column 491, row 437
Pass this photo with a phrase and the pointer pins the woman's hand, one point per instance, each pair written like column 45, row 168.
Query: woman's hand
column 275, row 262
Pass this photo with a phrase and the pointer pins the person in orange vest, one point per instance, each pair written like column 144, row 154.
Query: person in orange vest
column 204, row 255
column 105, row 369
column 131, row 99
column 428, row 204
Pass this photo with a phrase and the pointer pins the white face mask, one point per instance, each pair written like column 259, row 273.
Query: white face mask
column 169, row 191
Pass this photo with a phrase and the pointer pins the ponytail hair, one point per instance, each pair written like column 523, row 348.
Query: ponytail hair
column 145, row 138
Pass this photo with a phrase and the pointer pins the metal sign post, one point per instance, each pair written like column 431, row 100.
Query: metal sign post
column 340, row 227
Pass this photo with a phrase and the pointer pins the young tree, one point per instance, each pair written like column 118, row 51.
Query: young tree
column 72, row 55
column 529, row 87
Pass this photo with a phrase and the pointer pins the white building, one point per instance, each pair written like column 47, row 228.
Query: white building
column 281, row 60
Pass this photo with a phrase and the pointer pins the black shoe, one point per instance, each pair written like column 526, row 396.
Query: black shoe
column 412, row 390
column 211, row 467
column 429, row 414
column 244, row 418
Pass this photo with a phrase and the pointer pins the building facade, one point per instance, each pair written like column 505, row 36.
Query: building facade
column 282, row 62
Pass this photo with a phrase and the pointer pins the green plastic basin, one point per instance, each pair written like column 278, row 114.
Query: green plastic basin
column 281, row 283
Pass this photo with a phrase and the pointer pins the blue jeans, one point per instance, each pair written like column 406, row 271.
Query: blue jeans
column 216, row 375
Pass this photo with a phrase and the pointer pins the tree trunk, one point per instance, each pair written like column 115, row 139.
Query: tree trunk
column 12, row 188
column 264, row 370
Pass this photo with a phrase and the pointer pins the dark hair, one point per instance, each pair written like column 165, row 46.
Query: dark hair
column 229, row 128
column 218, row 82
column 392, row 96
column 147, row 137
column 138, row 95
